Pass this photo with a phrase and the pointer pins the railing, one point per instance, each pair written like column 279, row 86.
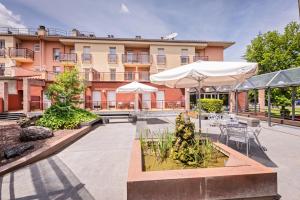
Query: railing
column 161, row 59
column 121, row 76
column 68, row 57
column 2, row 53
column 18, row 31
column 184, row 59
column 196, row 58
column 21, row 52
column 136, row 58
column 129, row 105
column 112, row 58
column 2, row 71
column 86, row 58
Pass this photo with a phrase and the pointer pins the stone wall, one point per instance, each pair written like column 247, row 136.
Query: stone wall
column 9, row 134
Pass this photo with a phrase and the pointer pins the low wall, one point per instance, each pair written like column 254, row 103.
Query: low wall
column 241, row 178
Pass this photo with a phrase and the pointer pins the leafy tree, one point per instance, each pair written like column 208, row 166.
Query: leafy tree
column 67, row 88
column 275, row 51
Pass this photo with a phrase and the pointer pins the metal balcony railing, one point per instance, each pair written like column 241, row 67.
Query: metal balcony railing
column 2, row 53
column 184, row 59
column 21, row 53
column 68, row 57
column 120, row 76
column 112, row 58
column 136, row 58
column 86, row 58
column 196, row 58
column 161, row 59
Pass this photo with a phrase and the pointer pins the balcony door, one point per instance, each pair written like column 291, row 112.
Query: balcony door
column 96, row 97
column 129, row 55
column 111, row 99
column 144, row 57
column 160, row 99
column 146, row 101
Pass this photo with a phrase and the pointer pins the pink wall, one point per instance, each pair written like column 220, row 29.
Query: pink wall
column 215, row 53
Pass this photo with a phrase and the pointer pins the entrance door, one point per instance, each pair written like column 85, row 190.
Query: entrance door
column 146, row 99
column 160, row 99
column 111, row 99
column 96, row 100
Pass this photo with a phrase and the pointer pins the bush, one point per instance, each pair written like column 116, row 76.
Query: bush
column 211, row 105
column 60, row 116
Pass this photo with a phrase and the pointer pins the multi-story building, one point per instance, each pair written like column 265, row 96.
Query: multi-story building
column 30, row 60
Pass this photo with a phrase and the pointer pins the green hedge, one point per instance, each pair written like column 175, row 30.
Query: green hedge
column 211, row 105
column 64, row 117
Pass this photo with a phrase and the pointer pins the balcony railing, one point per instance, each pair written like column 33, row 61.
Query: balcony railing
column 86, row 58
column 184, row 59
column 136, row 58
column 21, row 53
column 68, row 57
column 129, row 105
column 196, row 58
column 161, row 59
column 2, row 53
column 112, row 58
column 120, row 76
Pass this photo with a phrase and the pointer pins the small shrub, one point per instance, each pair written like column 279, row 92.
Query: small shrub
column 211, row 105
column 64, row 117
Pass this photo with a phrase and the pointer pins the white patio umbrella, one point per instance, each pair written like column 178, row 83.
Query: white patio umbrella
column 205, row 73
column 136, row 87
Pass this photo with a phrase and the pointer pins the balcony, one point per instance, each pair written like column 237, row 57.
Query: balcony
column 21, row 54
column 161, row 59
column 184, row 60
column 2, row 53
column 112, row 58
column 68, row 59
column 136, row 59
column 196, row 58
column 120, row 76
column 86, row 58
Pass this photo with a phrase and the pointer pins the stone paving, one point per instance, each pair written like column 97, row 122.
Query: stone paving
column 95, row 167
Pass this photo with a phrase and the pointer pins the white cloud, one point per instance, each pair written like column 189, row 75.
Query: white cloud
column 9, row 19
column 124, row 8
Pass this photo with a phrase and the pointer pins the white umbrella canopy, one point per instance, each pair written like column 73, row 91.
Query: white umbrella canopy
column 136, row 87
column 209, row 73
column 205, row 73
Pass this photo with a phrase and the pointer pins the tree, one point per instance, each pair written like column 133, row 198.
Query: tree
column 67, row 88
column 275, row 51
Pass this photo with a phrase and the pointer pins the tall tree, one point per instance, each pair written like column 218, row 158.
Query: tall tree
column 275, row 51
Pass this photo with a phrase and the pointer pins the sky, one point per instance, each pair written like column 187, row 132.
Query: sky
column 225, row 20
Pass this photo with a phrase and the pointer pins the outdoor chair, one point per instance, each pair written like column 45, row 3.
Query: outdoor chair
column 238, row 133
column 254, row 133
column 214, row 119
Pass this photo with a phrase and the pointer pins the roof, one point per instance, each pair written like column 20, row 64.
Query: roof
column 57, row 34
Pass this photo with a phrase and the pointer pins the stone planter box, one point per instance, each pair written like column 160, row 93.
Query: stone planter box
column 91, row 123
column 241, row 178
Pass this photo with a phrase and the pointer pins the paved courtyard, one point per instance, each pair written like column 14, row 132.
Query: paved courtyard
column 95, row 167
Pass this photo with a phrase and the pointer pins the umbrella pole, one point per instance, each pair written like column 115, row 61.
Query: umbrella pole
column 199, row 104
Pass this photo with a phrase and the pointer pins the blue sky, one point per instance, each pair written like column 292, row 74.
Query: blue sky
column 229, row 20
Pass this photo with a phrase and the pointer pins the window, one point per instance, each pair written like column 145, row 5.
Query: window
column 72, row 50
column 112, row 74
column 2, row 69
column 112, row 50
column 36, row 47
column 184, row 56
column 56, row 69
column 56, row 53
column 161, row 51
column 2, row 44
column 86, row 50
column 161, row 58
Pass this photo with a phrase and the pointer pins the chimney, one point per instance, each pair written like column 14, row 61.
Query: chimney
column 138, row 37
column 110, row 36
column 75, row 32
column 42, row 30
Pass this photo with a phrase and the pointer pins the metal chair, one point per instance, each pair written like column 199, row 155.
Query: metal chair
column 239, row 133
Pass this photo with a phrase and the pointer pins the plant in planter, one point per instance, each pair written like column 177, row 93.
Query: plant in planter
column 65, row 92
column 283, row 102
